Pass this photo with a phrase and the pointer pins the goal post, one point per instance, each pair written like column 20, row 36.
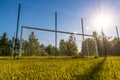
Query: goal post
column 53, row 31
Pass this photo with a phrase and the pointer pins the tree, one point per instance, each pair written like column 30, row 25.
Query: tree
column 89, row 48
column 42, row 50
column 83, row 49
column 56, row 51
column 4, row 45
column 89, row 45
column 116, row 47
column 11, row 46
column 34, row 47
column 71, row 46
column 25, row 47
column 108, row 45
column 105, row 45
column 63, row 47
column 50, row 50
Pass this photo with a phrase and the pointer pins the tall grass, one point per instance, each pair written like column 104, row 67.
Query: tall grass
column 59, row 68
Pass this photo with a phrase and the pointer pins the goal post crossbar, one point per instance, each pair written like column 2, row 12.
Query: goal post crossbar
column 55, row 31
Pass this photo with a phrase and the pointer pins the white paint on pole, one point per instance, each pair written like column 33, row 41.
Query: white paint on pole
column 13, row 45
column 96, row 47
column 20, row 52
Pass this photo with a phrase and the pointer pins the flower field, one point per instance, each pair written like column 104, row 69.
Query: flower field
column 64, row 68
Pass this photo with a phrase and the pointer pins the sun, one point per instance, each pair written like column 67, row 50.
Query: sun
column 102, row 20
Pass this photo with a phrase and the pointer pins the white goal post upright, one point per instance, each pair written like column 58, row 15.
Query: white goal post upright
column 96, row 47
column 26, row 27
column 20, row 52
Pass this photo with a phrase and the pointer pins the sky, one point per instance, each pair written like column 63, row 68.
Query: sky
column 41, row 13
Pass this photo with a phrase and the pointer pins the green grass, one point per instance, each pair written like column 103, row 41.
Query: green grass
column 59, row 68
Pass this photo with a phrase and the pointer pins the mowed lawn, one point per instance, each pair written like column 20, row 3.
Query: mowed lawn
column 59, row 68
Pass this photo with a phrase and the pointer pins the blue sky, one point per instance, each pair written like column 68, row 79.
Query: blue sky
column 40, row 13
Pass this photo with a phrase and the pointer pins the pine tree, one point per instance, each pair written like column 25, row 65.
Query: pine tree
column 34, row 47
column 63, row 47
column 71, row 46
column 4, row 45
column 50, row 50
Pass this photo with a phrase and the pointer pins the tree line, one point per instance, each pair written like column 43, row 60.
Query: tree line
column 105, row 45
column 7, row 45
column 32, row 47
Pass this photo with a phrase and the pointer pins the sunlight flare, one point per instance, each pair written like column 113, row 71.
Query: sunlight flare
column 102, row 20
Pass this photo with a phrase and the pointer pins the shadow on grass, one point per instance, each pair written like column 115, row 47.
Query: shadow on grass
column 92, row 72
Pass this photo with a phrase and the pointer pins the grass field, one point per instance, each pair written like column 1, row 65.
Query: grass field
column 59, row 68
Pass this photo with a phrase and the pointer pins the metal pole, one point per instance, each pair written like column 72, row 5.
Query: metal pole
column 13, row 44
column 55, row 31
column 117, row 33
column 104, row 46
column 82, row 28
column 18, row 18
column 20, row 52
column 82, row 32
